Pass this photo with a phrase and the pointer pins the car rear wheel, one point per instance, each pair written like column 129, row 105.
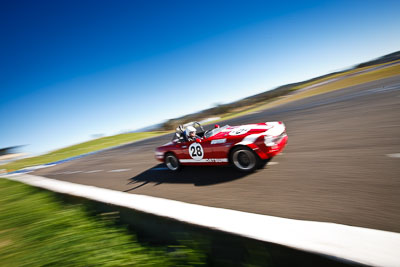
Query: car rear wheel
column 172, row 162
column 244, row 159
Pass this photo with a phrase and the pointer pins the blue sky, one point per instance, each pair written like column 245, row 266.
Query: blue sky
column 71, row 69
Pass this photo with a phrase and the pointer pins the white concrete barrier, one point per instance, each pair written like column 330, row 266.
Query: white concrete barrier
column 362, row 245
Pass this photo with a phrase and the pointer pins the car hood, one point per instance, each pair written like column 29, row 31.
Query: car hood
column 268, row 128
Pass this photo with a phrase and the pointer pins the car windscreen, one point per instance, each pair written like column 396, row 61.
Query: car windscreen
column 215, row 131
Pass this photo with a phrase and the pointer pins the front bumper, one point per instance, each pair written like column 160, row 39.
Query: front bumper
column 266, row 152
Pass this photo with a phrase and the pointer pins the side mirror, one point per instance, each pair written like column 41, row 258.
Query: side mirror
column 198, row 140
column 216, row 126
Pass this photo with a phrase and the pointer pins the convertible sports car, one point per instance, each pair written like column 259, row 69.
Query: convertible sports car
column 246, row 147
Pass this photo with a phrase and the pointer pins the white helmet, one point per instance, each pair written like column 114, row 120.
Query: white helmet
column 190, row 129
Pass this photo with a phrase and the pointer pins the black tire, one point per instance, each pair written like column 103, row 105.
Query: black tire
column 244, row 159
column 262, row 163
column 172, row 162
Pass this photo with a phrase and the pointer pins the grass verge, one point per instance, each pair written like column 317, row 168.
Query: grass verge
column 79, row 149
column 342, row 74
column 37, row 229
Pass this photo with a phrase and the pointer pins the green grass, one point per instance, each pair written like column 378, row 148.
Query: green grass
column 78, row 149
column 37, row 229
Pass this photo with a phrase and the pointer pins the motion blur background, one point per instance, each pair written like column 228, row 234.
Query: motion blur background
column 74, row 70
column 101, row 84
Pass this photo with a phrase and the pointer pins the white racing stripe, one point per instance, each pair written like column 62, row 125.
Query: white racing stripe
column 255, row 126
column 202, row 160
column 250, row 139
column 366, row 246
column 273, row 129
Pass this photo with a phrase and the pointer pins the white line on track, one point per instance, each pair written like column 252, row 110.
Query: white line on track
column 93, row 171
column 272, row 163
column 395, row 155
column 120, row 170
column 71, row 172
column 363, row 245
column 383, row 89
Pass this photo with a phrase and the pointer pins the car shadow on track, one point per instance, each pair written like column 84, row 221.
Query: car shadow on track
column 197, row 175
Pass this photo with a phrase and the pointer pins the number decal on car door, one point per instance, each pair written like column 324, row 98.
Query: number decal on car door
column 196, row 151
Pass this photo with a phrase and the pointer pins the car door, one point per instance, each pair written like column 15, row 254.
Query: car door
column 220, row 148
column 195, row 152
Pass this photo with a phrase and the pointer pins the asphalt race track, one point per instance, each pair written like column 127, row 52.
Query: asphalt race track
column 341, row 164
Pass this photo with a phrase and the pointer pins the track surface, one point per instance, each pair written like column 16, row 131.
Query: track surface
column 339, row 166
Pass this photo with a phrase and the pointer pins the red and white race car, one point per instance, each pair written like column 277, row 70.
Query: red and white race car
column 246, row 147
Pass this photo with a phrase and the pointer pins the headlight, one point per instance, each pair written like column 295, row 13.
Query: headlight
column 273, row 140
column 269, row 140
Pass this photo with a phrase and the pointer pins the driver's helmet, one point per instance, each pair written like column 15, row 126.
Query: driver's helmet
column 189, row 130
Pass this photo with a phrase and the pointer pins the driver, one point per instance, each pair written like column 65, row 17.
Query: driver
column 190, row 133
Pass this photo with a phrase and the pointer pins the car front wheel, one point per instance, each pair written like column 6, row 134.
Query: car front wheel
column 244, row 159
column 172, row 162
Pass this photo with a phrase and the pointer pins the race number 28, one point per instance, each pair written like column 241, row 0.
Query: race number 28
column 196, row 151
